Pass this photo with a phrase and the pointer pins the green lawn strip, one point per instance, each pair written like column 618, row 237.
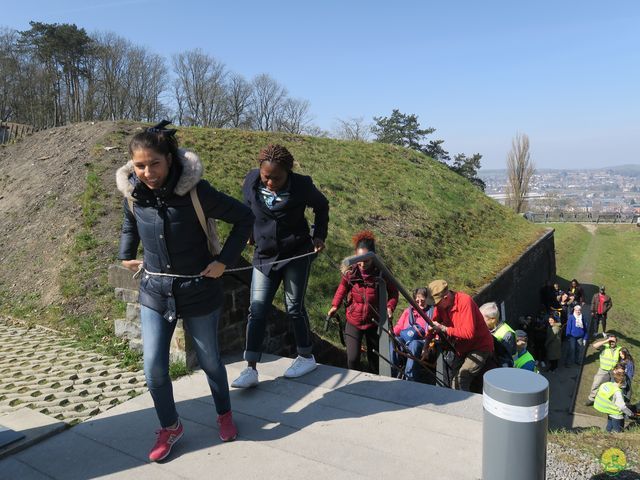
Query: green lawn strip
column 571, row 241
column 617, row 266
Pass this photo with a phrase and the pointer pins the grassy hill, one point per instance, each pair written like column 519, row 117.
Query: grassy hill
column 429, row 221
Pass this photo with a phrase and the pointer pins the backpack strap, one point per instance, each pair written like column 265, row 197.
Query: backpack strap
column 130, row 202
column 199, row 212
column 412, row 318
column 208, row 224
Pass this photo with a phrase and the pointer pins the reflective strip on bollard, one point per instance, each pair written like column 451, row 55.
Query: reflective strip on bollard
column 514, row 413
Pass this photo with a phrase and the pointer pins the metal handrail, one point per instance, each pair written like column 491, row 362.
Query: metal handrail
column 386, row 275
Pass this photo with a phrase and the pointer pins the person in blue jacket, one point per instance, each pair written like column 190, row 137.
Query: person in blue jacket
column 577, row 335
column 180, row 276
column 284, row 249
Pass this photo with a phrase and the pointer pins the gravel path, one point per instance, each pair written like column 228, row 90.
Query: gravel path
column 37, row 370
column 567, row 464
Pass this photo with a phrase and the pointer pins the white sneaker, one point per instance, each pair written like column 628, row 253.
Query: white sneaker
column 248, row 378
column 301, row 366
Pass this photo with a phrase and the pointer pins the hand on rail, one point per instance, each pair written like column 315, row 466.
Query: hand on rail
column 318, row 245
column 214, row 270
column 332, row 311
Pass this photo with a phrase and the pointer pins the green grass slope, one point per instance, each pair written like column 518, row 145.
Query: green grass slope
column 429, row 221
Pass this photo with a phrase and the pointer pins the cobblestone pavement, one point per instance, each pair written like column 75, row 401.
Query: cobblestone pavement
column 38, row 370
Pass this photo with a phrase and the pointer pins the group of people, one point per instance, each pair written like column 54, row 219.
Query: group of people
column 610, row 391
column 168, row 208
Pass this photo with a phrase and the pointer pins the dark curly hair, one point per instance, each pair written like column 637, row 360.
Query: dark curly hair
column 274, row 153
column 364, row 239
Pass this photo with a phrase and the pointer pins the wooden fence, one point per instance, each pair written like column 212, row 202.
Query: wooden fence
column 14, row 131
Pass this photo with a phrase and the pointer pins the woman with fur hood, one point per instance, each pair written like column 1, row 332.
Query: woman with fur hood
column 180, row 276
column 359, row 288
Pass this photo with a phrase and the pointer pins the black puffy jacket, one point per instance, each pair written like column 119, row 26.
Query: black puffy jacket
column 173, row 241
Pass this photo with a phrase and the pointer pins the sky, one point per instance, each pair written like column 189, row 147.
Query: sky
column 566, row 73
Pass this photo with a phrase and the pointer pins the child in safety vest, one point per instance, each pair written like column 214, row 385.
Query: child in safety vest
column 523, row 359
column 609, row 400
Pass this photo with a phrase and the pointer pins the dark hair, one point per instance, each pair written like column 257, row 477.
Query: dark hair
column 574, row 280
column 421, row 291
column 627, row 353
column 156, row 138
column 274, row 153
column 364, row 239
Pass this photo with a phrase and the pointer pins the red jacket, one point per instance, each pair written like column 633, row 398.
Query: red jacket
column 465, row 325
column 360, row 290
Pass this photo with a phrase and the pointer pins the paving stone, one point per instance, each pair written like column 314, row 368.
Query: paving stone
column 39, row 370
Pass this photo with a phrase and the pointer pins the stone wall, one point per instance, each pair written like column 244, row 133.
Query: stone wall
column 279, row 339
column 518, row 285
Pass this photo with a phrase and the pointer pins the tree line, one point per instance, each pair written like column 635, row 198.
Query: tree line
column 54, row 74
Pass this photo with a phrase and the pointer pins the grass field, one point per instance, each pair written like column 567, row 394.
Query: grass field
column 603, row 255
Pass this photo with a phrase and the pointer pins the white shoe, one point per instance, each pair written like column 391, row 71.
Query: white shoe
column 248, row 378
column 301, row 366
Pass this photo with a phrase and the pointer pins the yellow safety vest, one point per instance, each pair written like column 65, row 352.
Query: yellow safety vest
column 521, row 361
column 502, row 331
column 609, row 358
column 604, row 399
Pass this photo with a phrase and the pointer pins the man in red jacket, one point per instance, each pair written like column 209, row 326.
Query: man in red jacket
column 457, row 316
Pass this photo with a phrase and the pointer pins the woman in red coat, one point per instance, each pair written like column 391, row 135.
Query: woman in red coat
column 359, row 287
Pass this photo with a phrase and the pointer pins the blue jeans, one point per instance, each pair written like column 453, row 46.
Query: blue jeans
column 294, row 276
column 614, row 424
column 574, row 351
column 156, row 337
column 412, row 368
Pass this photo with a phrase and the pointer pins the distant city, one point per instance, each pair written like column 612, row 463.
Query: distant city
column 606, row 190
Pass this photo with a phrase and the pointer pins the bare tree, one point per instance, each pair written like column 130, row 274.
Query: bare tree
column 200, row 88
column 356, row 129
column 239, row 93
column 520, row 170
column 267, row 99
column 293, row 116
column 9, row 72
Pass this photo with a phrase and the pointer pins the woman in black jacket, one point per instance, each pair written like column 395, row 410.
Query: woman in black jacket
column 180, row 276
column 278, row 198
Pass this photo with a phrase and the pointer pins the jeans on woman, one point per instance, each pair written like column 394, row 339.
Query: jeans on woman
column 574, row 351
column 294, row 276
column 156, row 337
column 412, row 369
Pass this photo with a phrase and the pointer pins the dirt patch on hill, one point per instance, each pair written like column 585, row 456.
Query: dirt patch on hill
column 42, row 179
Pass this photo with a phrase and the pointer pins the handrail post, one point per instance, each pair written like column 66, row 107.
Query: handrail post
column 384, row 368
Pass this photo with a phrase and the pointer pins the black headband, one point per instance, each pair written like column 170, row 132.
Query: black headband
column 159, row 128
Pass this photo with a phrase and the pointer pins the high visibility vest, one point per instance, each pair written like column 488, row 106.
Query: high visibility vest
column 524, row 359
column 502, row 331
column 609, row 358
column 604, row 399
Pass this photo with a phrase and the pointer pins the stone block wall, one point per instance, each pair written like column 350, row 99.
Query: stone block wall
column 279, row 339
column 518, row 285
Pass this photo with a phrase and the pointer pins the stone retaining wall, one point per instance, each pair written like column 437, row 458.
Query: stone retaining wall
column 518, row 285
column 279, row 339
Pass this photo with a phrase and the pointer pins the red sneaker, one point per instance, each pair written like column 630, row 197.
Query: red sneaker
column 166, row 438
column 228, row 430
